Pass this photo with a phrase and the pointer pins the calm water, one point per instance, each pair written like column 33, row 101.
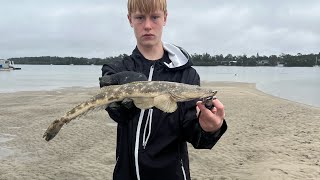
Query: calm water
column 298, row 84
column 46, row 77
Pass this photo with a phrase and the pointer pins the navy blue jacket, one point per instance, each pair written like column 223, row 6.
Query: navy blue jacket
column 165, row 156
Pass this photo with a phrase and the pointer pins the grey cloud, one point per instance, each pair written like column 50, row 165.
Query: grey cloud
column 99, row 28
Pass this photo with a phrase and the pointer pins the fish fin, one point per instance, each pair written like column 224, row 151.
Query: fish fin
column 165, row 103
column 143, row 103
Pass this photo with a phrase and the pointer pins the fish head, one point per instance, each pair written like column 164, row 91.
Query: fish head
column 195, row 93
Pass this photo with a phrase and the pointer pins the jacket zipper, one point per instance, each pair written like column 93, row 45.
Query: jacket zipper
column 136, row 148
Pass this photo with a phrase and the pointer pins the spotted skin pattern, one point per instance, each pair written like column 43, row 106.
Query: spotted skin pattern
column 161, row 94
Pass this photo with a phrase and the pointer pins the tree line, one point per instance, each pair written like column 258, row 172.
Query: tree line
column 299, row 60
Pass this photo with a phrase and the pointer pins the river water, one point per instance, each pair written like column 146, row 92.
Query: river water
column 300, row 84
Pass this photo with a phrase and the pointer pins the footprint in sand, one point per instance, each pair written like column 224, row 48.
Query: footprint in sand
column 278, row 170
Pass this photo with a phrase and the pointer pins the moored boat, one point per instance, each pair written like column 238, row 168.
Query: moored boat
column 7, row 65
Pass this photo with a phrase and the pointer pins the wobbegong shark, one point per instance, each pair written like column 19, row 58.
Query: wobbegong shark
column 144, row 94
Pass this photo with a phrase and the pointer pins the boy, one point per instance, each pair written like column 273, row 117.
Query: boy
column 152, row 144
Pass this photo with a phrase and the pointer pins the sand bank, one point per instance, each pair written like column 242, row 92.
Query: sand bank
column 268, row 138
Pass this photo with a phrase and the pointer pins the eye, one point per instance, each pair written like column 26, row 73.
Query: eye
column 155, row 17
column 139, row 17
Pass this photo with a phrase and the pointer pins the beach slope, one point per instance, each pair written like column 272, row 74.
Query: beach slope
column 267, row 138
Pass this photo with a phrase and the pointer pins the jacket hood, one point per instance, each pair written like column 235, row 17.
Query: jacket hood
column 179, row 58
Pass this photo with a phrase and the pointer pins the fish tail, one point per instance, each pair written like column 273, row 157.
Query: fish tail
column 86, row 107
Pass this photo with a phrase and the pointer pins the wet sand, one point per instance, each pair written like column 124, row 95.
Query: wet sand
column 268, row 138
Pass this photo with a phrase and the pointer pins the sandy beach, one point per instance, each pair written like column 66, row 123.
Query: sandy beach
column 268, row 138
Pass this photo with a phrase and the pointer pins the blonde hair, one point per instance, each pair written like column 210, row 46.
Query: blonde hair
column 146, row 6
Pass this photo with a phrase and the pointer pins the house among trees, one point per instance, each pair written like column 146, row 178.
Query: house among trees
column 264, row 62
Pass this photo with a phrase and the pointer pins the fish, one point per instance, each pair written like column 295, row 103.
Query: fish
column 163, row 95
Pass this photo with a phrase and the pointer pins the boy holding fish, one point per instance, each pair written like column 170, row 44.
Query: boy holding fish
column 152, row 144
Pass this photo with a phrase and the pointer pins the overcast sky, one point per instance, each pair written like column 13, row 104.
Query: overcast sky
column 99, row 28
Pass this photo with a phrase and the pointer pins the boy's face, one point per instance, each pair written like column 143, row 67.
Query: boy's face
column 148, row 27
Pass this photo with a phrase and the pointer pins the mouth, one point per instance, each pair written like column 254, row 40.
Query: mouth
column 148, row 35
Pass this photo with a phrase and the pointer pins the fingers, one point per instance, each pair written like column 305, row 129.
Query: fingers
column 218, row 109
column 201, row 106
column 205, row 112
column 127, row 103
column 114, row 105
column 211, row 120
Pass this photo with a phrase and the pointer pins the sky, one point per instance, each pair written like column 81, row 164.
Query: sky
column 99, row 28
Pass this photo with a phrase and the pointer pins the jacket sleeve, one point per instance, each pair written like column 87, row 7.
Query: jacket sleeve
column 205, row 140
column 112, row 68
column 117, row 112
column 191, row 129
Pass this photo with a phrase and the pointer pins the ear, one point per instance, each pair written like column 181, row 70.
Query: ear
column 130, row 20
column 165, row 18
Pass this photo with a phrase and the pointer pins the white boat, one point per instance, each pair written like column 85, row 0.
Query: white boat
column 7, row 65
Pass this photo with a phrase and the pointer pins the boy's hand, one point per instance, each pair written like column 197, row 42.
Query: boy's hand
column 211, row 120
column 121, row 78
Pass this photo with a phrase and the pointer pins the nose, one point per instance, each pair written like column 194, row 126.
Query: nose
column 147, row 24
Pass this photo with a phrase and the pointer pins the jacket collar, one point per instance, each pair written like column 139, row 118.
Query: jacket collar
column 179, row 57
